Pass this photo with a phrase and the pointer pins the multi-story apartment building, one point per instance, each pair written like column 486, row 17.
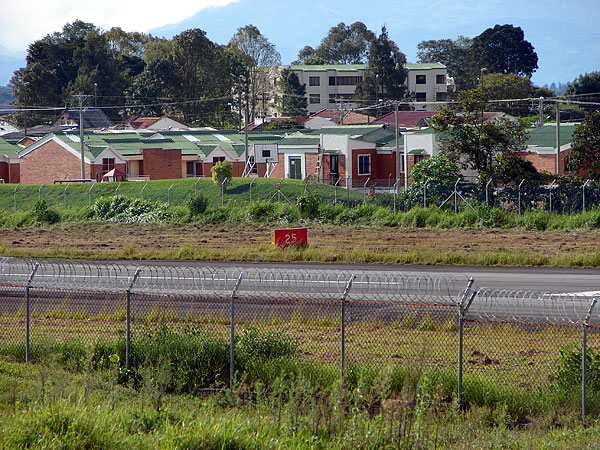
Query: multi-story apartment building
column 328, row 86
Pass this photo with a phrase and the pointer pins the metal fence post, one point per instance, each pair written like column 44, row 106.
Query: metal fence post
column 550, row 193
column 232, row 337
column 128, row 319
column 223, row 191
column 456, row 196
column 40, row 192
column 347, row 192
column 196, row 186
column 365, row 189
column 27, row 310
column 583, row 194
column 462, row 310
column 335, row 191
column 487, row 185
column 395, row 190
column 425, row 192
column 343, row 327
column 65, row 195
column 519, row 197
column 15, row 196
column 117, row 190
column 90, row 195
column 586, row 322
column 143, row 190
column 169, row 195
column 251, row 183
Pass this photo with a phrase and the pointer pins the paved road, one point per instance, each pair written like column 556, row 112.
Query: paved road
column 512, row 278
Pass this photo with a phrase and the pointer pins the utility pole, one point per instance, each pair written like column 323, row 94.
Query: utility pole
column 246, row 139
column 80, row 97
column 541, row 107
column 397, row 131
column 557, row 138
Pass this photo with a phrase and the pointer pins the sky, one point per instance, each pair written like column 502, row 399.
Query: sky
column 25, row 21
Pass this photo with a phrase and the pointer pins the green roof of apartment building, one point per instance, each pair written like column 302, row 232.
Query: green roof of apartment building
column 340, row 67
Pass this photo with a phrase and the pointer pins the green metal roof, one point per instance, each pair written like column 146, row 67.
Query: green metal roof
column 424, row 66
column 338, row 67
column 8, row 148
column 350, row 129
column 546, row 136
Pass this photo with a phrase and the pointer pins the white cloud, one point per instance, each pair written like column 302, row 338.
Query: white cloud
column 23, row 22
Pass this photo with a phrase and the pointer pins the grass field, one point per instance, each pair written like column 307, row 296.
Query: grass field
column 78, row 194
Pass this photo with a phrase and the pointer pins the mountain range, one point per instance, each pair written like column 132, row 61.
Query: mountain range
column 564, row 34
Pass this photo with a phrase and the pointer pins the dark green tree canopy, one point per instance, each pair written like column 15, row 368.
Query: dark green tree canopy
column 469, row 141
column 503, row 49
column 587, row 87
column 454, row 54
column 293, row 94
column 386, row 73
column 585, row 150
column 346, row 44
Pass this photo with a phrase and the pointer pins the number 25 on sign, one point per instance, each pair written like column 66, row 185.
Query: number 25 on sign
column 290, row 236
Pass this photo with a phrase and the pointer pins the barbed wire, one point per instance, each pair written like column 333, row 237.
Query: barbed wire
column 271, row 284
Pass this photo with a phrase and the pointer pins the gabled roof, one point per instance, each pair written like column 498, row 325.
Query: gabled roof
column 406, row 119
column 8, row 149
column 349, row 117
column 92, row 118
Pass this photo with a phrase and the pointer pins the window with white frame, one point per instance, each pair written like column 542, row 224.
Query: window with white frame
column 314, row 98
column 314, row 81
column 364, row 164
column 440, row 79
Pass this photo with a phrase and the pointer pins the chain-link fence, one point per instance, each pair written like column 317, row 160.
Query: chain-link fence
column 339, row 318
column 384, row 191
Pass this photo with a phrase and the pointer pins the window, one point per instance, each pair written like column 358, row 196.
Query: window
column 314, row 81
column 441, row 96
column 332, row 98
column 331, row 81
column 421, row 96
column 347, row 80
column 421, row 79
column 440, row 79
column 108, row 164
column 266, row 153
column 216, row 159
column 314, row 98
column 364, row 164
column 252, row 164
column 419, row 158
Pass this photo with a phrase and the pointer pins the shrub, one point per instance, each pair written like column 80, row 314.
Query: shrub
column 127, row 210
column 308, row 205
column 42, row 214
column 222, row 170
column 198, row 205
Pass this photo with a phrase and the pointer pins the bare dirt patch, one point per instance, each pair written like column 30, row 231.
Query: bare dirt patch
column 110, row 240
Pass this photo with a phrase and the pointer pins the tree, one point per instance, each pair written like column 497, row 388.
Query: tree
column 499, row 86
column 437, row 169
column 293, row 94
column 469, row 141
column 387, row 72
column 257, row 55
column 503, row 49
column 455, row 55
column 585, row 149
column 588, row 83
column 308, row 56
column 346, row 44
column 512, row 168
